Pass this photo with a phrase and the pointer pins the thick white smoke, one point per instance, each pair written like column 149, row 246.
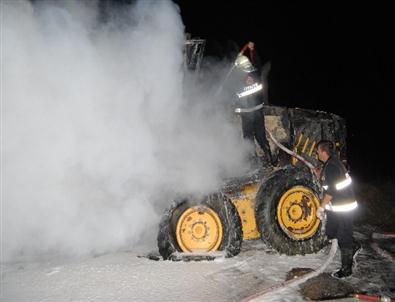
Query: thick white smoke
column 98, row 130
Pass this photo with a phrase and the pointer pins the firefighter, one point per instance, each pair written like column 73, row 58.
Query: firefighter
column 339, row 205
column 249, row 100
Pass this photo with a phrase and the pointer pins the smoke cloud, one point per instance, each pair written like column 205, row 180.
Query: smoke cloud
column 100, row 126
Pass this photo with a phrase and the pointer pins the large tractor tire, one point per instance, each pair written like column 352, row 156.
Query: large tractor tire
column 286, row 206
column 200, row 225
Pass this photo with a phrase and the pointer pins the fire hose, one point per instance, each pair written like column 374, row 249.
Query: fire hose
column 296, row 281
column 242, row 51
column 290, row 152
column 374, row 298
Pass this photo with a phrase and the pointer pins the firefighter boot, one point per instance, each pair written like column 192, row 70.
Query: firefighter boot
column 347, row 261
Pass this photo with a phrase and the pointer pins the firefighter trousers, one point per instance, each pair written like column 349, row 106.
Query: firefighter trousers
column 253, row 125
column 339, row 225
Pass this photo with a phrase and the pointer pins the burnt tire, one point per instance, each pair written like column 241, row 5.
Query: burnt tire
column 232, row 235
column 267, row 201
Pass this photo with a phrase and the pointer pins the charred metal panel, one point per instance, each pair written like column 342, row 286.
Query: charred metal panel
column 301, row 130
column 309, row 127
column 307, row 132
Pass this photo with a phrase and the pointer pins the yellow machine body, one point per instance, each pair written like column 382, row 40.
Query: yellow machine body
column 245, row 205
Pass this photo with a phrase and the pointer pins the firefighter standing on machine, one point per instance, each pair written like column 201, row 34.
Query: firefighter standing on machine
column 250, row 102
column 339, row 205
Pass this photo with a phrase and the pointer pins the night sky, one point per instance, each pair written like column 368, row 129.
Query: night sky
column 334, row 58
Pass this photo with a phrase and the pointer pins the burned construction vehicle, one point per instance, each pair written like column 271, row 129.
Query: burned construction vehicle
column 275, row 203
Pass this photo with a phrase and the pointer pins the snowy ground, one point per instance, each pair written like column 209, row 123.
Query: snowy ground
column 127, row 277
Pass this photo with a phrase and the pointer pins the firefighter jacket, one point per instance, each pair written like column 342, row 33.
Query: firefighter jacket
column 249, row 95
column 337, row 182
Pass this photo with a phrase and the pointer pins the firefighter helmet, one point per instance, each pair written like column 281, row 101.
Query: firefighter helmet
column 244, row 63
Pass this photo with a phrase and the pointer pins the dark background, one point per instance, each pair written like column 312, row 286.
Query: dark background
column 335, row 58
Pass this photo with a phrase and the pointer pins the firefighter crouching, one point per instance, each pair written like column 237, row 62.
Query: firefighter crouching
column 339, row 204
column 249, row 100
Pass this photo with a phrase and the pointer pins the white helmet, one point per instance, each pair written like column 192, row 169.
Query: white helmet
column 244, row 63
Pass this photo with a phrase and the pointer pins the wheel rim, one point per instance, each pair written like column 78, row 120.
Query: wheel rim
column 296, row 213
column 199, row 229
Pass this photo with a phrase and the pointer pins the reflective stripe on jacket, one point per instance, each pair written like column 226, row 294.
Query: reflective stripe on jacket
column 337, row 182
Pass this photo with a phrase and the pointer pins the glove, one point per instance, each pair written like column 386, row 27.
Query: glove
column 320, row 213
